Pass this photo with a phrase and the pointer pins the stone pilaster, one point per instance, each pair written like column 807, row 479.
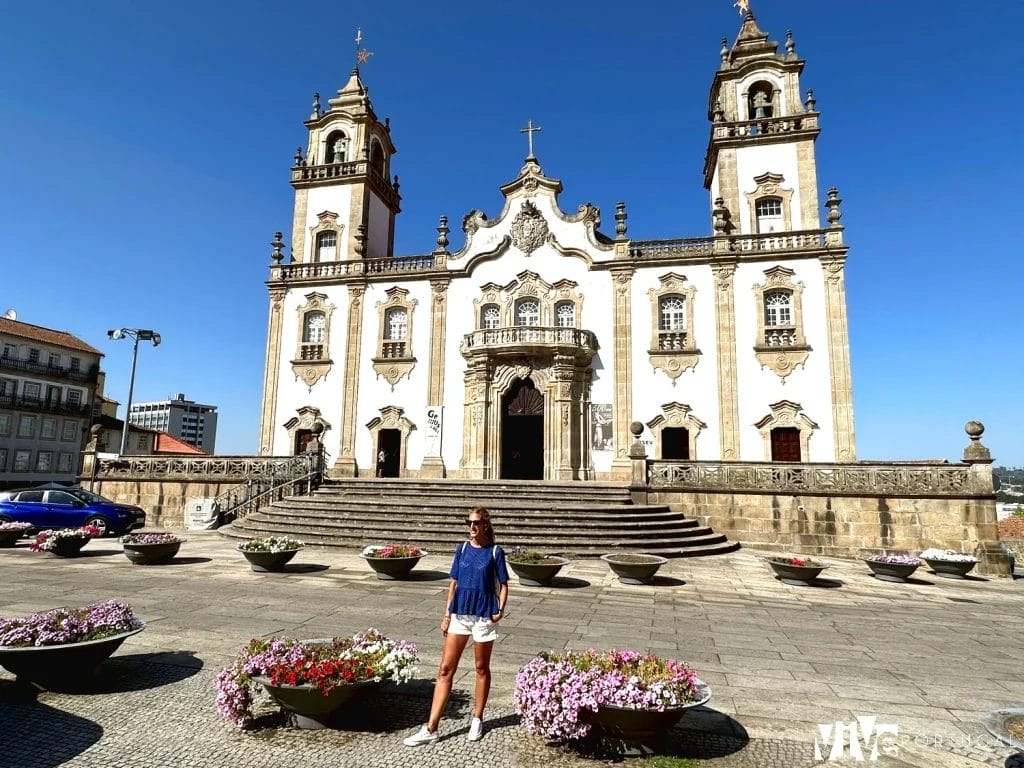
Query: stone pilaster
column 839, row 357
column 622, row 320
column 433, row 466
column 725, row 332
column 271, row 371
column 299, row 225
column 345, row 465
column 474, row 427
column 566, row 410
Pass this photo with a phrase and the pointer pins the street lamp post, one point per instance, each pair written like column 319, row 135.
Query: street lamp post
column 136, row 334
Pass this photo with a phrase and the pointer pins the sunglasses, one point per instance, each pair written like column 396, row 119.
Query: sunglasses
column 472, row 523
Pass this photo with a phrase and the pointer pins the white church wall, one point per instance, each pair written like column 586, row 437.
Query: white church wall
column 336, row 199
column 770, row 158
column 696, row 387
column 808, row 385
column 409, row 392
column 292, row 392
column 380, row 224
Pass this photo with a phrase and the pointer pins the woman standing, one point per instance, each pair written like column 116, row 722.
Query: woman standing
column 475, row 604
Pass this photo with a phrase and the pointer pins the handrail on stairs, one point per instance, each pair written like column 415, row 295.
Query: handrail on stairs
column 300, row 476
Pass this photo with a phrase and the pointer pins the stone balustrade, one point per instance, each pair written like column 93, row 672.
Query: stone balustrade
column 516, row 337
column 768, row 126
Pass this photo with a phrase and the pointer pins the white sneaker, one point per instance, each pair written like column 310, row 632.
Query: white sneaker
column 476, row 730
column 422, row 736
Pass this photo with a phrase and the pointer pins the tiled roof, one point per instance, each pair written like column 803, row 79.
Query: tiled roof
column 165, row 443
column 45, row 335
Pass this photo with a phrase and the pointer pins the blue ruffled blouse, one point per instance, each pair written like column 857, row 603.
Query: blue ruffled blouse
column 475, row 570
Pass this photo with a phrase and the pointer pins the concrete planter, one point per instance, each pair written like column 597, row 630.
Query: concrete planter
column 538, row 574
column 640, row 728
column 951, row 569
column 269, row 562
column 8, row 538
column 392, row 568
column 152, row 554
column 796, row 575
column 69, row 547
column 896, row 572
column 56, row 665
column 308, row 705
column 634, row 568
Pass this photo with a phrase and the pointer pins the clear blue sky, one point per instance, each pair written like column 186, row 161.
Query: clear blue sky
column 145, row 152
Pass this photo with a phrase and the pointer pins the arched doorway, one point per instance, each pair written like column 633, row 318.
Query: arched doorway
column 522, row 432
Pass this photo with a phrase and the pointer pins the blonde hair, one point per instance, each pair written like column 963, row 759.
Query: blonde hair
column 485, row 516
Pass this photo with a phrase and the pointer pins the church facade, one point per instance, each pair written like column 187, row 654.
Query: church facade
column 528, row 352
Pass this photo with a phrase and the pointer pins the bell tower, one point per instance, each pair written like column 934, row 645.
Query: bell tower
column 760, row 157
column 345, row 202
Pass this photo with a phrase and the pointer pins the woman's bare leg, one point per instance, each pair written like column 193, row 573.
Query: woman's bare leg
column 454, row 645
column 482, row 656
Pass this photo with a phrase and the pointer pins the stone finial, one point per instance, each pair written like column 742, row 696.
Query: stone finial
column 718, row 115
column 297, row 160
column 316, row 107
column 721, row 217
column 832, row 203
column 387, row 124
column 811, row 103
column 360, row 240
column 442, row 235
column 975, row 452
column 395, row 184
column 620, row 221
column 790, row 45
column 278, row 245
column 637, row 450
column 724, row 53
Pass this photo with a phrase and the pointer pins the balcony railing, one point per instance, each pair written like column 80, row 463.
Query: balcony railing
column 768, row 126
column 39, row 405
column 514, row 339
column 53, row 371
column 860, row 478
column 329, row 269
column 340, row 171
column 657, row 249
column 780, row 241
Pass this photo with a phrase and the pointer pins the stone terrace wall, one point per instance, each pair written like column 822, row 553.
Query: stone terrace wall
column 836, row 509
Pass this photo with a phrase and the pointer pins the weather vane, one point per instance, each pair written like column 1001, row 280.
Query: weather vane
column 362, row 55
column 529, row 130
column 743, row 6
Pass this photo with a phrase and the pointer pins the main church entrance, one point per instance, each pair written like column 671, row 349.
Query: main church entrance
column 522, row 432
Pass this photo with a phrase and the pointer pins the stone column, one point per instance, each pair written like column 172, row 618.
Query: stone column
column 992, row 558
column 433, row 466
column 622, row 321
column 839, row 357
column 725, row 331
column 345, row 465
column 474, row 427
column 271, row 371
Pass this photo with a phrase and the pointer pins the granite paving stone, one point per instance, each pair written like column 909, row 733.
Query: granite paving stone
column 931, row 656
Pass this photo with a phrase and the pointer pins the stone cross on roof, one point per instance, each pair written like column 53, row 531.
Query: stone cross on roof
column 529, row 130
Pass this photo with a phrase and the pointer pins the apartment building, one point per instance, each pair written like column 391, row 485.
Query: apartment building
column 185, row 419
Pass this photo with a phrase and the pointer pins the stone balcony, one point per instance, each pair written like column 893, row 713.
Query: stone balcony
column 519, row 341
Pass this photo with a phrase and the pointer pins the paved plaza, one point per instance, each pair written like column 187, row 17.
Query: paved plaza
column 931, row 657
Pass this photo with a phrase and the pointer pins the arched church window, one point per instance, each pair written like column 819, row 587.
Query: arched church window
column 377, row 157
column 528, row 312
column 565, row 314
column 490, row 316
column 759, row 105
column 336, row 148
column 313, row 328
column 778, row 319
column 396, row 322
column 769, row 214
column 671, row 322
column 326, row 246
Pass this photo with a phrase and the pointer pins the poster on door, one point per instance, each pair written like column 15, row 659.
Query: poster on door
column 603, row 438
column 434, row 421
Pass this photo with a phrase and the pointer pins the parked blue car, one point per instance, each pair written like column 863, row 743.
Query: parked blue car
column 69, row 508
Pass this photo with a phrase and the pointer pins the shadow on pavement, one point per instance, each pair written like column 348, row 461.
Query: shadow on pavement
column 567, row 582
column 37, row 735
column 185, row 561
column 97, row 553
column 304, row 568
column 667, row 581
column 425, row 576
column 819, row 583
column 133, row 672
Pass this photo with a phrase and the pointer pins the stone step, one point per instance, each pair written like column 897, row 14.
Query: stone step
column 581, row 519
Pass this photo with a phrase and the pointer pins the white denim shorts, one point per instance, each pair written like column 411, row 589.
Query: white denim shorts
column 482, row 629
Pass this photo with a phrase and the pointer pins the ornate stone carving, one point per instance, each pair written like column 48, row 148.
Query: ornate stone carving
column 394, row 357
column 780, row 347
column 392, row 417
column 673, row 349
column 786, row 413
column 312, row 360
column 529, row 229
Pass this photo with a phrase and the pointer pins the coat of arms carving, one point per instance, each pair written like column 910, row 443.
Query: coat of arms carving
column 529, row 229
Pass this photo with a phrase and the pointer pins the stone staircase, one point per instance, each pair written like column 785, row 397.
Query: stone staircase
column 579, row 519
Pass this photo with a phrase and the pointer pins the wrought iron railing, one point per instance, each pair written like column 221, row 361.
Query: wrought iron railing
column 39, row 405
column 299, row 477
column 883, row 479
column 55, row 371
